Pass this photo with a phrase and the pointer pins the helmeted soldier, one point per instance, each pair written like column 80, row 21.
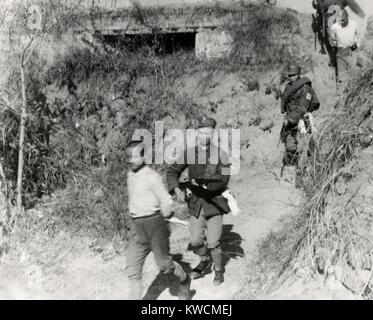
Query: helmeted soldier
column 326, row 4
column 330, row 24
column 206, row 204
column 297, row 99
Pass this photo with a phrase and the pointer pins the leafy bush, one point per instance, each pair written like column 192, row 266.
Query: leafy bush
column 84, row 110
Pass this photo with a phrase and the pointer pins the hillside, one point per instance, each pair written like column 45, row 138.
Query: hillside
column 71, row 243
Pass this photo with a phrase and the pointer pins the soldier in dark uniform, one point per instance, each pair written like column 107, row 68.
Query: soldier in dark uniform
column 322, row 22
column 297, row 99
column 206, row 204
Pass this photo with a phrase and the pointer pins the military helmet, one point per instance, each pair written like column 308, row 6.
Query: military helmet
column 293, row 70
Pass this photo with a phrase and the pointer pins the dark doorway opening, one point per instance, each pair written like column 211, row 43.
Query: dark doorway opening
column 162, row 43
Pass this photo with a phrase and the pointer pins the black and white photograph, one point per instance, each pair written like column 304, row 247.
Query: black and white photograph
column 208, row 151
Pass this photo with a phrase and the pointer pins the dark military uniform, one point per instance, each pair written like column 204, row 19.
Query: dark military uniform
column 298, row 99
column 206, row 206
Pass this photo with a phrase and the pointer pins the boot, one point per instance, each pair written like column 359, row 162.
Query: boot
column 203, row 268
column 219, row 278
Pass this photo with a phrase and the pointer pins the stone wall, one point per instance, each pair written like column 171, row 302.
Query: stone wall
column 213, row 44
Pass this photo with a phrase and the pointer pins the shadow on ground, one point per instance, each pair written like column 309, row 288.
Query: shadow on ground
column 231, row 246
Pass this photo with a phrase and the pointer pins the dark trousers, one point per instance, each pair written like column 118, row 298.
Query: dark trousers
column 150, row 234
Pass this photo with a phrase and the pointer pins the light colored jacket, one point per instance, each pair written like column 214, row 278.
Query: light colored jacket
column 147, row 194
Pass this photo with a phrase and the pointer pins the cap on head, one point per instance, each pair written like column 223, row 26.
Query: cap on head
column 206, row 122
column 294, row 70
column 134, row 144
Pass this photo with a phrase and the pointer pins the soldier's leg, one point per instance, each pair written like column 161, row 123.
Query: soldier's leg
column 198, row 245
column 291, row 144
column 214, row 233
column 197, row 236
column 303, row 154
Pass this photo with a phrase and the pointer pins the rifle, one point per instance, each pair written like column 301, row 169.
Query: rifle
column 320, row 11
column 282, row 134
column 319, row 23
column 227, row 195
column 314, row 24
column 282, row 169
column 188, row 184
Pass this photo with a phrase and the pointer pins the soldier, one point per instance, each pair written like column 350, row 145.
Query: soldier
column 149, row 204
column 206, row 204
column 297, row 99
column 323, row 26
column 326, row 4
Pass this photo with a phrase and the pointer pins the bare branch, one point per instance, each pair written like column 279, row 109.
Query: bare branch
column 32, row 50
column 2, row 176
column 10, row 108
column 24, row 51
column 13, row 19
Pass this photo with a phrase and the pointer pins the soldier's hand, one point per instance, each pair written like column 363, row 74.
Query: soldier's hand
column 285, row 122
column 268, row 90
column 168, row 214
column 194, row 182
column 179, row 194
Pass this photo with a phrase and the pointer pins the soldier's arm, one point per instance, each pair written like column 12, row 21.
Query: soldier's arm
column 314, row 103
column 356, row 8
column 222, row 171
column 298, row 113
column 173, row 175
